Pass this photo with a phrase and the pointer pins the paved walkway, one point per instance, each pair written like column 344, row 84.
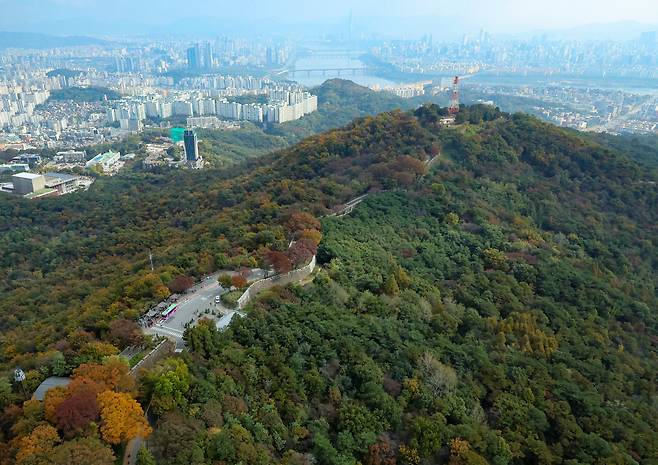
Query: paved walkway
column 130, row 456
column 349, row 206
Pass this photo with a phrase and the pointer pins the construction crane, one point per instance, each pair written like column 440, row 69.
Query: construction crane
column 453, row 109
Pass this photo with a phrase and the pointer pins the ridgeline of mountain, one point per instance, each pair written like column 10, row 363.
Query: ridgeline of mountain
column 339, row 102
column 45, row 41
column 641, row 147
column 67, row 73
column 84, row 94
column 492, row 300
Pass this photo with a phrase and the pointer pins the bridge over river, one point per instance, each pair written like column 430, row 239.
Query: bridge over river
column 316, row 65
column 333, row 71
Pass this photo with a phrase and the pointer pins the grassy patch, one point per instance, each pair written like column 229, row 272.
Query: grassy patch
column 230, row 299
column 135, row 359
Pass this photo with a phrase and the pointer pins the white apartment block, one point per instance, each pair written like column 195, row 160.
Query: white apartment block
column 253, row 112
column 231, row 110
column 182, row 108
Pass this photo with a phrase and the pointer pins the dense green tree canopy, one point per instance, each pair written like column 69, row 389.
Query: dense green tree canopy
column 492, row 300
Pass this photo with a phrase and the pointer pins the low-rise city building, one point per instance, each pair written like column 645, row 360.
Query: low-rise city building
column 73, row 156
column 62, row 182
column 14, row 167
column 28, row 183
column 107, row 162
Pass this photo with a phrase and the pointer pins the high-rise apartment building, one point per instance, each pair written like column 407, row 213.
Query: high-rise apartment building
column 194, row 57
column 200, row 57
column 191, row 146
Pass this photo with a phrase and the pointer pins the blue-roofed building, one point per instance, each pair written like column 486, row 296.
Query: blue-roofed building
column 105, row 160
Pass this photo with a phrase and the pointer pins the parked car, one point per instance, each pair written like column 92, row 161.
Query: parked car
column 217, row 299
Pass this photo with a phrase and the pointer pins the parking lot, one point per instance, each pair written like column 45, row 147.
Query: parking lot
column 192, row 306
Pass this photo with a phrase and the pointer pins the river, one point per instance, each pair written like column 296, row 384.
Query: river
column 319, row 62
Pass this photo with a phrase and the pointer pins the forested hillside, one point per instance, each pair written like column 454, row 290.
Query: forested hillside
column 640, row 147
column 501, row 310
column 339, row 102
column 493, row 300
column 85, row 94
column 80, row 261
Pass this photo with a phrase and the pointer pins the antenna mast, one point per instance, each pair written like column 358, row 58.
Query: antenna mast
column 453, row 109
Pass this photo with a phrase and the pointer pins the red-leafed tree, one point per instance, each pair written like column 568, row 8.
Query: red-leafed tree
column 76, row 413
column 125, row 332
column 180, row 284
column 301, row 252
column 278, row 260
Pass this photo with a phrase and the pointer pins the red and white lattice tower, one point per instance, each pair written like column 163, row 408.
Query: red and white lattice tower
column 454, row 97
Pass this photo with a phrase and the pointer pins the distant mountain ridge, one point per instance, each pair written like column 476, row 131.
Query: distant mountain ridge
column 621, row 30
column 33, row 40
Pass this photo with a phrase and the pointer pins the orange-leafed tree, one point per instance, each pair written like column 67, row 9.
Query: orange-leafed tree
column 84, row 384
column 96, row 351
column 381, row 453
column 122, row 418
column 299, row 221
column 313, row 235
column 239, row 281
column 462, row 454
column 113, row 374
column 37, row 447
column 52, row 399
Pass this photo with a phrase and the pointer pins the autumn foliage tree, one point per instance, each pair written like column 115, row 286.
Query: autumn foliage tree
column 125, row 333
column 239, row 281
column 112, row 374
column 300, row 221
column 278, row 260
column 98, row 394
column 313, row 235
column 77, row 412
column 36, row 447
column 51, row 401
column 301, row 251
column 462, row 454
column 83, row 451
column 122, row 418
column 27, row 418
column 381, row 453
column 180, row 283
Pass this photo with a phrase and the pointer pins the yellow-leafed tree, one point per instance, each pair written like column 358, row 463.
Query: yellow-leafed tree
column 122, row 418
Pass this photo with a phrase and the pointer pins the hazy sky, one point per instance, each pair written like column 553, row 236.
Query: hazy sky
column 496, row 15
